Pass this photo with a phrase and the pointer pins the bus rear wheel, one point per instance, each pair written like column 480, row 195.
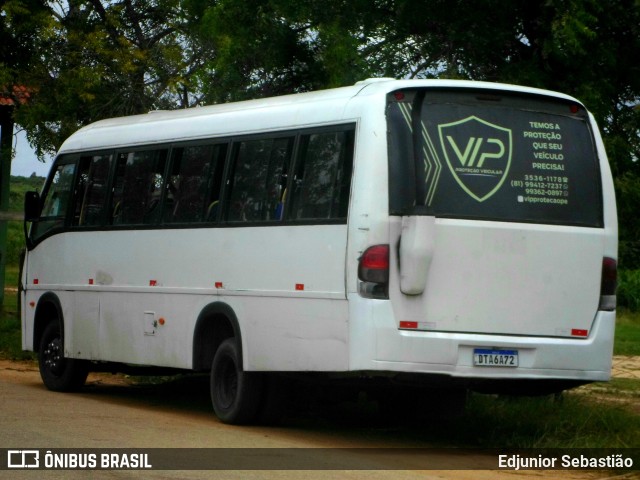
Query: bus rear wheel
column 235, row 394
column 58, row 373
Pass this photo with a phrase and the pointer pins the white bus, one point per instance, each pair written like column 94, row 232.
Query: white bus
column 450, row 234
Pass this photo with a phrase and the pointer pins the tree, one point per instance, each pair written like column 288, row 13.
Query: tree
column 99, row 59
column 88, row 60
column 20, row 22
column 586, row 48
column 273, row 47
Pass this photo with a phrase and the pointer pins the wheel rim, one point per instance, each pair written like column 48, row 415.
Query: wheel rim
column 227, row 383
column 53, row 357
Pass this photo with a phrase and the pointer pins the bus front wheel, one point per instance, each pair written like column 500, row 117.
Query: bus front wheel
column 235, row 394
column 58, row 373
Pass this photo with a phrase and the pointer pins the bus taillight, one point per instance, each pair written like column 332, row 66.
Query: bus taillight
column 373, row 272
column 608, row 284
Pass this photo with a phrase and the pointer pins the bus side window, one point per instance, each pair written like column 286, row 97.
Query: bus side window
column 215, row 183
column 323, row 176
column 91, row 191
column 194, row 183
column 56, row 201
column 258, row 182
column 137, row 188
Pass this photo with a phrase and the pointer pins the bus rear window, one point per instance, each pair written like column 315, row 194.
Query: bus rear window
column 492, row 156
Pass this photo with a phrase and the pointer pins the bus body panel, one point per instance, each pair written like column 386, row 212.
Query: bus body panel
column 133, row 295
column 387, row 349
column 141, row 306
column 303, row 335
column 368, row 210
column 610, row 215
column 489, row 285
column 511, row 279
column 242, row 118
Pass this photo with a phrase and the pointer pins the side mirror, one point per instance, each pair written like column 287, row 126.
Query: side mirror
column 32, row 206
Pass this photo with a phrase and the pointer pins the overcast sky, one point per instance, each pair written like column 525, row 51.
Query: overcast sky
column 24, row 161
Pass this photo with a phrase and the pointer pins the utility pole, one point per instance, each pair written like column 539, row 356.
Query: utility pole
column 6, row 137
column 10, row 97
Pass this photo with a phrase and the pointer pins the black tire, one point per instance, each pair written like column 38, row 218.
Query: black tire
column 58, row 373
column 235, row 394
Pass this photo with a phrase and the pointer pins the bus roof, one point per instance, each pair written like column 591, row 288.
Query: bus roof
column 251, row 116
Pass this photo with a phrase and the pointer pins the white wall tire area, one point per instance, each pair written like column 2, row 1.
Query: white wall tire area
column 235, row 394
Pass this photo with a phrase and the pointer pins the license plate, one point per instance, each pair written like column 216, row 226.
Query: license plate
column 485, row 357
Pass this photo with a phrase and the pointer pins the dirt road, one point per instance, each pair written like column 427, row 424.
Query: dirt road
column 109, row 413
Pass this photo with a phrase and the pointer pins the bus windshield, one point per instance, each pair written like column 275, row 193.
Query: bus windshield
column 492, row 156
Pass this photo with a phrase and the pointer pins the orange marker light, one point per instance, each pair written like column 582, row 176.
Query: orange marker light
column 299, row 286
column 161, row 320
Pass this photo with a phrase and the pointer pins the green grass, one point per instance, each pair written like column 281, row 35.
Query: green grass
column 10, row 331
column 19, row 186
column 620, row 388
column 15, row 235
column 11, row 276
column 10, row 328
column 580, row 419
column 627, row 341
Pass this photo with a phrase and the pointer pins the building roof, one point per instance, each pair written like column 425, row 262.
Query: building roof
column 19, row 94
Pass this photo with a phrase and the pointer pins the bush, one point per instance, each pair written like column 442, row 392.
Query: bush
column 629, row 289
column 627, row 199
column 15, row 242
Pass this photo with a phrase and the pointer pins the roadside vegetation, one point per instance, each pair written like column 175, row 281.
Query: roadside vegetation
column 627, row 333
column 10, row 330
column 583, row 418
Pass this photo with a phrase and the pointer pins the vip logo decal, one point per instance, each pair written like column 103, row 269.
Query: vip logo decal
column 478, row 154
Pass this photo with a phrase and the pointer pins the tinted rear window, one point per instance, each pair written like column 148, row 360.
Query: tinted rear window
column 492, row 156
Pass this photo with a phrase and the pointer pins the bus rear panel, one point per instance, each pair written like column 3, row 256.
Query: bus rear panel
column 500, row 261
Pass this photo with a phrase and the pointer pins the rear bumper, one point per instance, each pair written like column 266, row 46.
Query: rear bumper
column 376, row 345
